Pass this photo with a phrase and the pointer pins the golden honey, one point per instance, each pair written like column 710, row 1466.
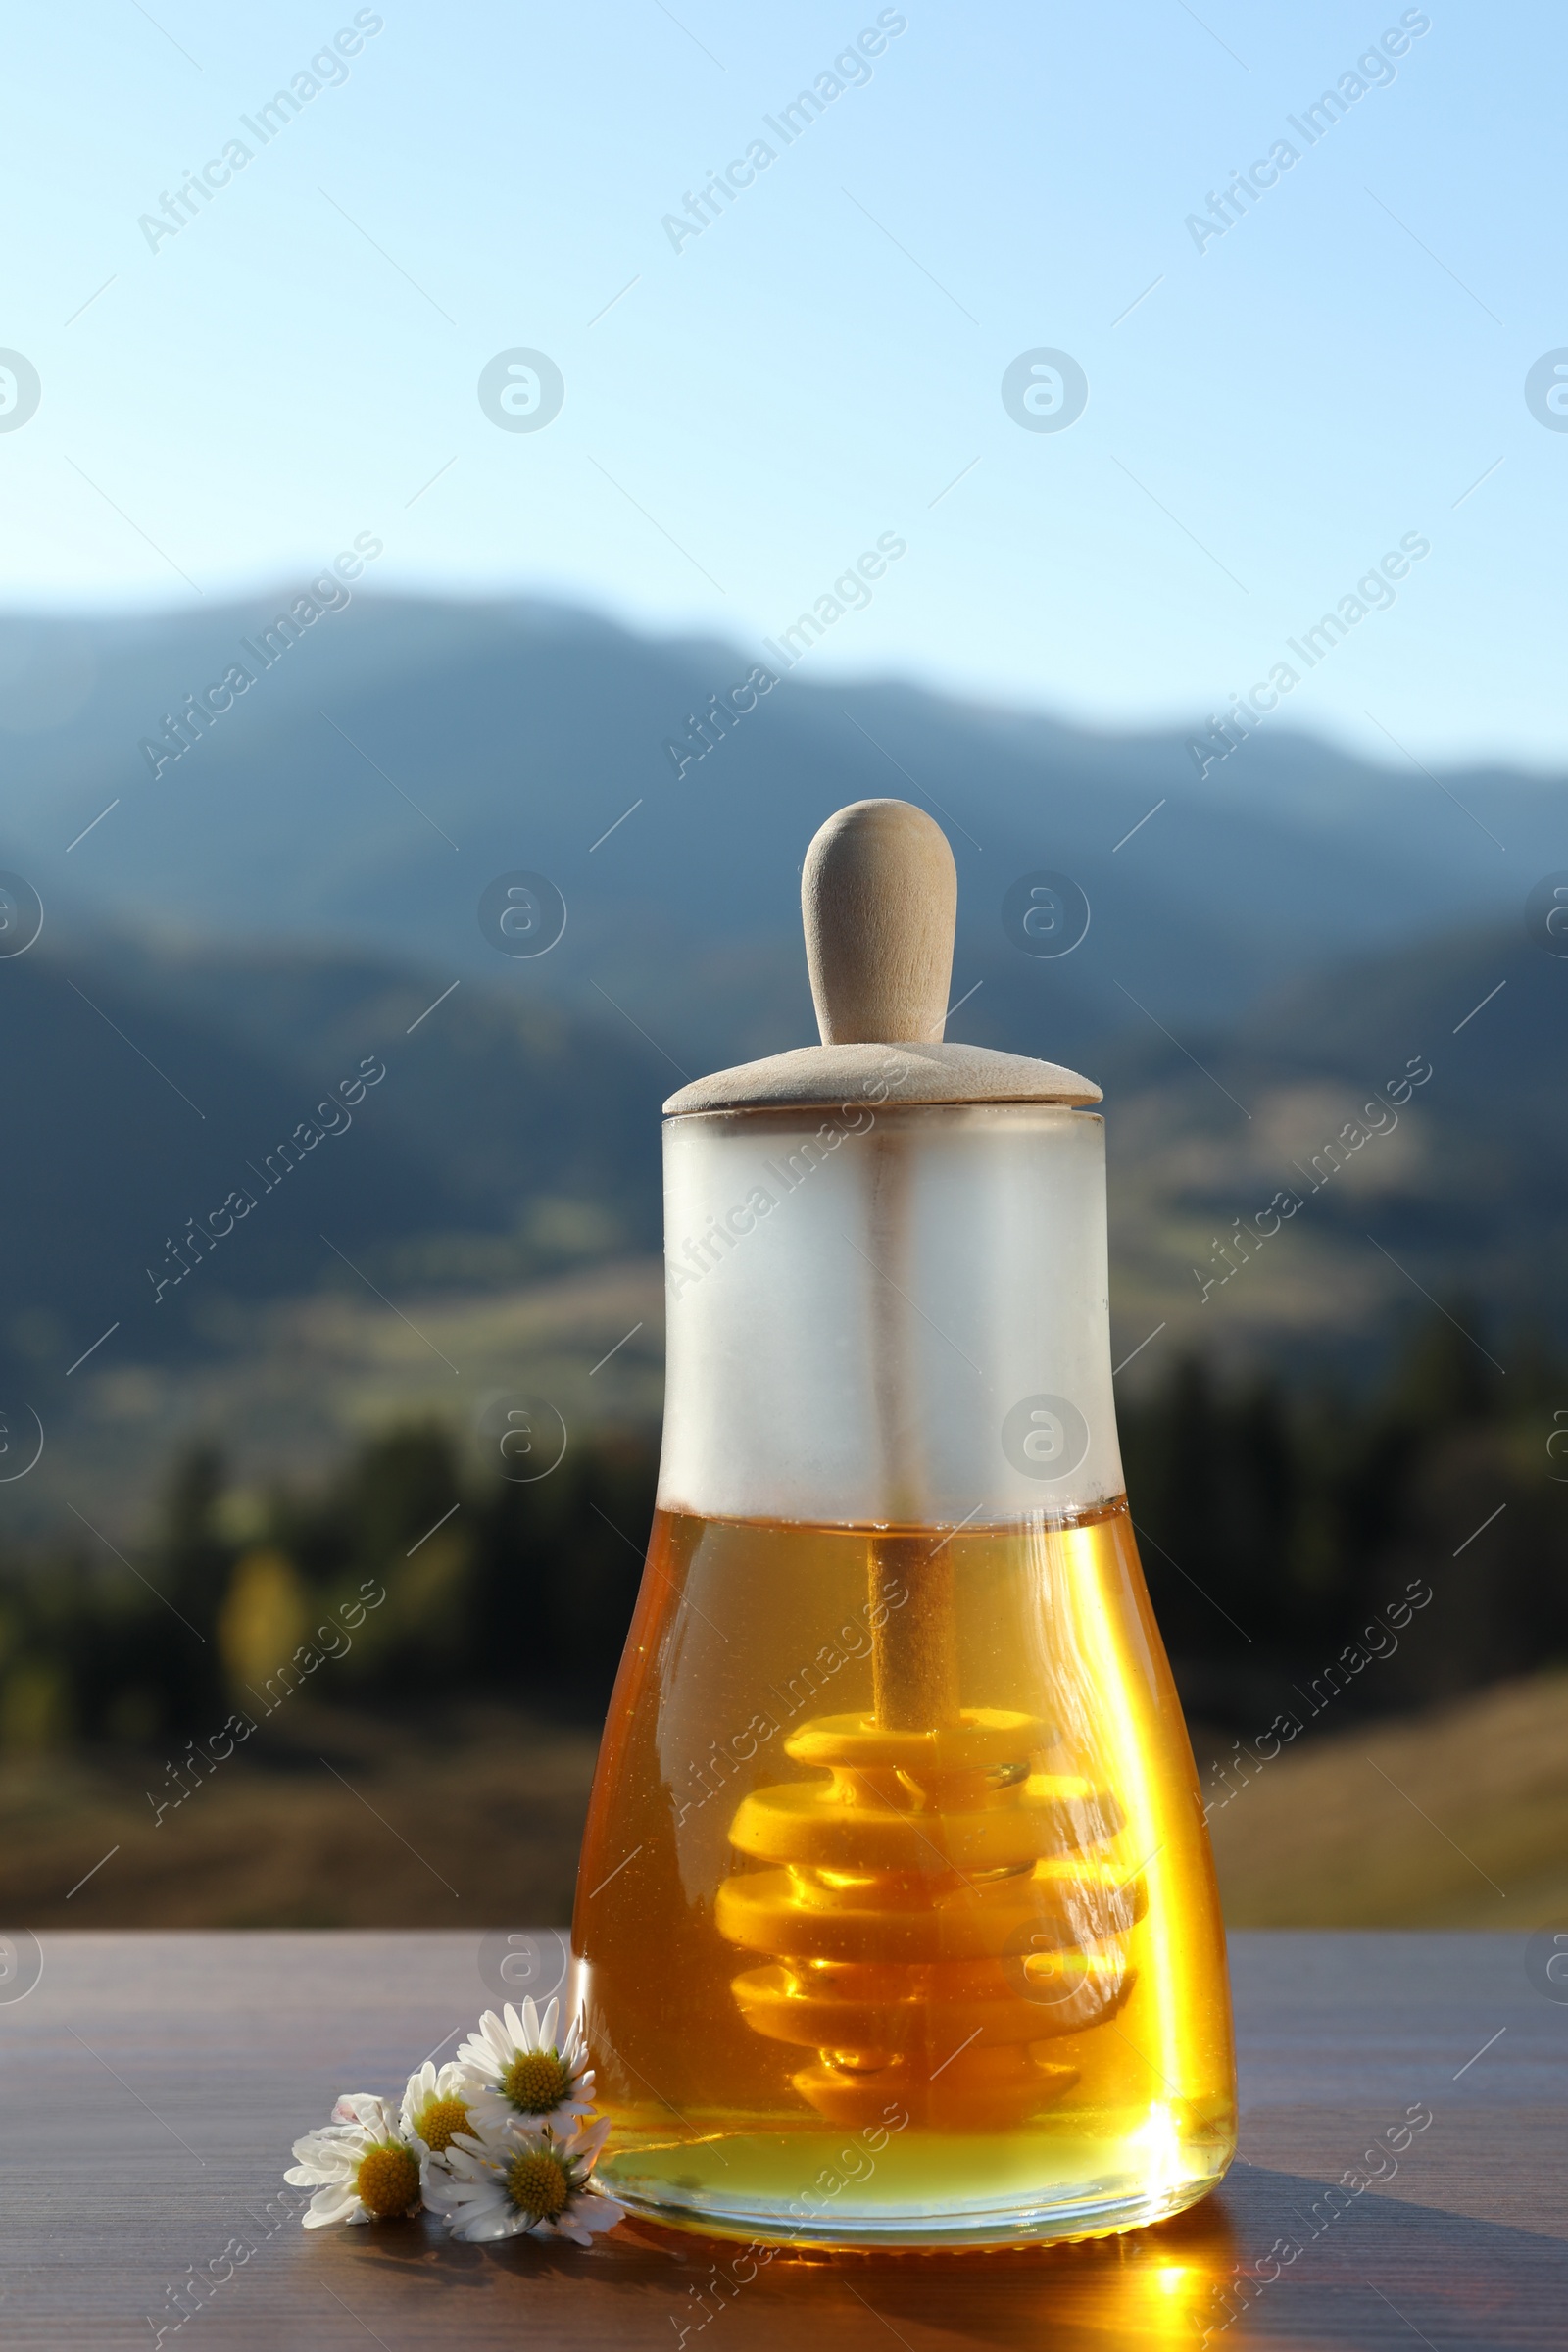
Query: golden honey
column 896, row 1916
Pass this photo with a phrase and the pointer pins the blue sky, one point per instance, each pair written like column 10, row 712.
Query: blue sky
column 822, row 364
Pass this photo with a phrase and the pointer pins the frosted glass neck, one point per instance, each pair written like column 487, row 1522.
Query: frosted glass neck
column 881, row 1317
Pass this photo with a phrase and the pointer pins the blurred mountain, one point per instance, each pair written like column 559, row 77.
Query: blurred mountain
column 399, row 754
column 1300, row 1167
column 230, row 948
column 377, row 1140
column 492, row 1202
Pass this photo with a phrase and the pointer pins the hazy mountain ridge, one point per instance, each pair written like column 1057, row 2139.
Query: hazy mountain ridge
column 153, row 1081
column 1265, row 952
column 1448, row 1185
column 148, row 1092
column 370, row 783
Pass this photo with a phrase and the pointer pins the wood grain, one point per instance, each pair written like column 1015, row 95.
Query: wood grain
column 151, row 2085
column 879, row 898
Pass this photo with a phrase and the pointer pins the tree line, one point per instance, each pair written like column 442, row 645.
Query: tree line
column 1284, row 1527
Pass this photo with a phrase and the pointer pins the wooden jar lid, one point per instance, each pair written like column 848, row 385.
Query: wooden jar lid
column 879, row 898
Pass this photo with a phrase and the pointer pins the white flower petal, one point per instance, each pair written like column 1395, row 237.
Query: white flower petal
column 587, row 2144
column 361, row 2107
column 490, row 2226
column 328, row 2159
column 486, row 2052
column 318, row 2162
column 328, row 2206
column 491, row 2111
column 597, row 2211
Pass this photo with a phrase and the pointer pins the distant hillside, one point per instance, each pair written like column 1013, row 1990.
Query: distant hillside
column 513, row 1139
column 1328, row 1837
column 1454, row 1188
column 140, row 1073
column 400, row 754
column 296, row 896
column 202, row 1122
column 498, row 1192
column 1458, row 1819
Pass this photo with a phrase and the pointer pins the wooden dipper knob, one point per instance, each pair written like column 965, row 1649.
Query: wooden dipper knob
column 879, row 898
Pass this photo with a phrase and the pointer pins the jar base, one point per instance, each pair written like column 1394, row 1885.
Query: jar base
column 1059, row 2222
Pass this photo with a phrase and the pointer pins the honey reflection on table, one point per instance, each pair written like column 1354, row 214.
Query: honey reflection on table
column 1165, row 2286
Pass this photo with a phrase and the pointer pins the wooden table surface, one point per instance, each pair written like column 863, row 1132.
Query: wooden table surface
column 151, row 2085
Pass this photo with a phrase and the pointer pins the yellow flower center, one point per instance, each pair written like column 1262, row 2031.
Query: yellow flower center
column 536, row 2081
column 537, row 2184
column 387, row 2180
column 439, row 2121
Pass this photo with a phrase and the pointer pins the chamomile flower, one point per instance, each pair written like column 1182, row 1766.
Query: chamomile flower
column 508, row 2182
column 435, row 2108
column 361, row 2164
column 520, row 2075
